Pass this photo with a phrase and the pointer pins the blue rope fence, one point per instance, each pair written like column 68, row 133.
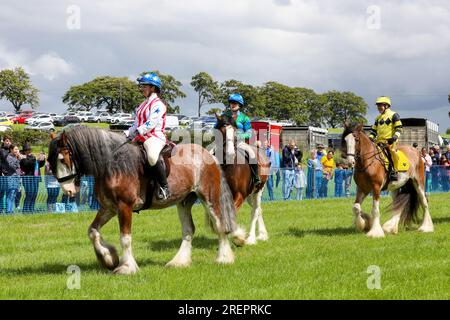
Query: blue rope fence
column 30, row 194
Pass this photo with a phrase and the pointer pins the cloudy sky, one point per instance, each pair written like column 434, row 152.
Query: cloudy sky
column 396, row 48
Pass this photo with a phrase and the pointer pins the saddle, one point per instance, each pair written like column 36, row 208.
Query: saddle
column 400, row 163
column 165, row 155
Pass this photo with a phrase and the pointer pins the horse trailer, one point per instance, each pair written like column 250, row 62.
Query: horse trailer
column 307, row 138
column 417, row 130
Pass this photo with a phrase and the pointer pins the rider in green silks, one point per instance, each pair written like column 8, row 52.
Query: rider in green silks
column 244, row 132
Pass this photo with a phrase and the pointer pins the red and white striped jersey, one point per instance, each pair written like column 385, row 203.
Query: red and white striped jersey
column 150, row 119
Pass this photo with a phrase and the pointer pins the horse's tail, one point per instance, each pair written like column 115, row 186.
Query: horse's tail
column 407, row 202
column 228, row 213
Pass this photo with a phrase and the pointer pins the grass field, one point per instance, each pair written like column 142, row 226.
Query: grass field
column 313, row 253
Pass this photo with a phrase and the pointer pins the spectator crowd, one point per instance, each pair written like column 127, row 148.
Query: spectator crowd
column 21, row 178
column 311, row 178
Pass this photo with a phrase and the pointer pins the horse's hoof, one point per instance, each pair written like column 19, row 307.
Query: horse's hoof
column 126, row 269
column 390, row 229
column 174, row 264
column 426, row 229
column 250, row 241
column 225, row 260
column 375, row 234
column 263, row 237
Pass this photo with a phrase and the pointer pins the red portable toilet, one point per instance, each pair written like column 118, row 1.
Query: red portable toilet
column 267, row 131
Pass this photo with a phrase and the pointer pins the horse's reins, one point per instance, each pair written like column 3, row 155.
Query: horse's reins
column 358, row 155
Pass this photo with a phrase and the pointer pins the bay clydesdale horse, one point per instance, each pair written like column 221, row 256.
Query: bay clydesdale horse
column 121, row 187
column 371, row 177
column 238, row 175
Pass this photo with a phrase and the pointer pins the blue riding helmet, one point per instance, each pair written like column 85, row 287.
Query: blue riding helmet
column 236, row 97
column 150, row 78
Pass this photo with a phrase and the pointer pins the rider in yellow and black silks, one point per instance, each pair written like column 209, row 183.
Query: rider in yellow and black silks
column 387, row 130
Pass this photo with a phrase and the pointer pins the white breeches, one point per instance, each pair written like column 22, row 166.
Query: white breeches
column 153, row 147
column 244, row 146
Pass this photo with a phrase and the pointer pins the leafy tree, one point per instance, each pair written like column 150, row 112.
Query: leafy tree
column 213, row 111
column 301, row 105
column 16, row 87
column 341, row 107
column 253, row 96
column 112, row 93
column 206, row 88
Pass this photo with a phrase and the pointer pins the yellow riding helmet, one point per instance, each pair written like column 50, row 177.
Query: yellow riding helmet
column 386, row 100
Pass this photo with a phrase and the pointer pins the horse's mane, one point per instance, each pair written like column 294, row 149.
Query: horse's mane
column 93, row 151
column 224, row 120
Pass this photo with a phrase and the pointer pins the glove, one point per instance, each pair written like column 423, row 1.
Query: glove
column 130, row 136
column 391, row 141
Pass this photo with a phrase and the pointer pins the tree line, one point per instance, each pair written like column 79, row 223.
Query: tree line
column 270, row 100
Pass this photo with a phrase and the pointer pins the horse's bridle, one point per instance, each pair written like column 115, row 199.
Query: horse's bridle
column 358, row 156
column 75, row 175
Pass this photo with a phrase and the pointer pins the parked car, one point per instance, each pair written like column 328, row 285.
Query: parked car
column 84, row 115
column 5, row 122
column 123, row 125
column 66, row 120
column 21, row 118
column 43, row 126
column 99, row 117
column 39, row 118
column 187, row 121
column 119, row 117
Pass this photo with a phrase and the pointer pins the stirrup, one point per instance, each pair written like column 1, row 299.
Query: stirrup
column 393, row 176
column 163, row 193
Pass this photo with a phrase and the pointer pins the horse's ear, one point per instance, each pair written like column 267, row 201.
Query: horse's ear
column 359, row 127
column 64, row 137
column 218, row 117
column 346, row 124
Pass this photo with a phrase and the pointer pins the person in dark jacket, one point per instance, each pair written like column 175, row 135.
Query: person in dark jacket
column 4, row 151
column 289, row 165
column 32, row 176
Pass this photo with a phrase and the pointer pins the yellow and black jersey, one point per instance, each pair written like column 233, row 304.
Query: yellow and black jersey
column 387, row 125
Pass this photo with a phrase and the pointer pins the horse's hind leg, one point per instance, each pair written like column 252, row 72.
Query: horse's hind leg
column 183, row 256
column 427, row 224
column 128, row 264
column 255, row 202
column 391, row 226
column 225, row 255
column 106, row 253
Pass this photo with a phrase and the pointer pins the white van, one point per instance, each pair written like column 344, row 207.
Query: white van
column 172, row 122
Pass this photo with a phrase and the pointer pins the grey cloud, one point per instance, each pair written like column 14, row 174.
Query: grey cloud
column 321, row 45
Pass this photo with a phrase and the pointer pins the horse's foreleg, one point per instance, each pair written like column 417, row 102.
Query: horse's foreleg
column 183, row 256
column 106, row 253
column 391, row 226
column 128, row 265
column 376, row 231
column 361, row 220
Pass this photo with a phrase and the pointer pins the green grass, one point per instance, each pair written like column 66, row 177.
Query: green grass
column 335, row 130
column 313, row 253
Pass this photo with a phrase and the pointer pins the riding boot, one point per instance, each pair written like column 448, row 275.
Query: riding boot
column 255, row 175
column 393, row 176
column 162, row 192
